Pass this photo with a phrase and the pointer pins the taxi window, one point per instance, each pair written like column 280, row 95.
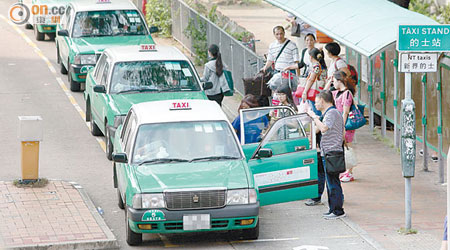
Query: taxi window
column 99, row 67
column 188, row 141
column 66, row 18
column 105, row 74
column 129, row 133
column 108, row 23
column 153, row 76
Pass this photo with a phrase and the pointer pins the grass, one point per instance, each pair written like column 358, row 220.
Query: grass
column 405, row 231
column 385, row 140
column 39, row 183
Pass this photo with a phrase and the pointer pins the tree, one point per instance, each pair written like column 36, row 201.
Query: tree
column 402, row 3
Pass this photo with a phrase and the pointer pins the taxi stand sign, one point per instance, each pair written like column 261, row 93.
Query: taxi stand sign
column 418, row 62
column 423, row 38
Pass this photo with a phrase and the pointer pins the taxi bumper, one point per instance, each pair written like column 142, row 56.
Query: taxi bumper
column 77, row 74
column 226, row 218
column 43, row 28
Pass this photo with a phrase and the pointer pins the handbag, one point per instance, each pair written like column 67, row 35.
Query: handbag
column 355, row 117
column 335, row 162
column 296, row 30
column 350, row 157
column 315, row 89
column 229, row 78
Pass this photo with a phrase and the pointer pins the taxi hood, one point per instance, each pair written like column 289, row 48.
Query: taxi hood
column 91, row 45
column 159, row 177
column 123, row 102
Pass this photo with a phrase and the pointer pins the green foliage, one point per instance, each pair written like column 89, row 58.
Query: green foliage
column 197, row 32
column 212, row 15
column 441, row 15
column 158, row 14
column 42, row 182
column 419, row 6
column 243, row 36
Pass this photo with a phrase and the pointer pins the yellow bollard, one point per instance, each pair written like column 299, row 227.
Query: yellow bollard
column 30, row 133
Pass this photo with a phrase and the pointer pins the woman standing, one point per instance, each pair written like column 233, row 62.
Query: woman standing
column 317, row 73
column 343, row 98
column 214, row 73
column 305, row 61
column 333, row 50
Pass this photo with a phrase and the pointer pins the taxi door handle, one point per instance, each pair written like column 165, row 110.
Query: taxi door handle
column 308, row 161
column 300, row 148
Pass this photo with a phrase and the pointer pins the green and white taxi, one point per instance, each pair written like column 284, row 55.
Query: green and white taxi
column 44, row 16
column 88, row 27
column 178, row 167
column 128, row 75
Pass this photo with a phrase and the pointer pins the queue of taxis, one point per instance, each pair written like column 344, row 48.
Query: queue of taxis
column 88, row 27
column 180, row 167
column 127, row 75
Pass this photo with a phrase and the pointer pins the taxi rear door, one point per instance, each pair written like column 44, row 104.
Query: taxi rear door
column 284, row 164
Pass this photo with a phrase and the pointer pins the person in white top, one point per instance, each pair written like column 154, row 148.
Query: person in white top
column 288, row 55
column 333, row 50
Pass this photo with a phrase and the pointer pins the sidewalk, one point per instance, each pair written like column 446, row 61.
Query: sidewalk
column 57, row 216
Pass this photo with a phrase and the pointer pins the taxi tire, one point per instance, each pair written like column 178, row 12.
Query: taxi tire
column 95, row 131
column 108, row 143
column 74, row 86
column 252, row 233
column 132, row 238
column 28, row 26
column 120, row 203
column 38, row 35
column 62, row 68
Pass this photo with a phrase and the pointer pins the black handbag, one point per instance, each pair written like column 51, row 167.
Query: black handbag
column 296, row 30
column 335, row 162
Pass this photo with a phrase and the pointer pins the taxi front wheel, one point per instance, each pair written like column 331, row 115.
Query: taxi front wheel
column 133, row 238
column 39, row 35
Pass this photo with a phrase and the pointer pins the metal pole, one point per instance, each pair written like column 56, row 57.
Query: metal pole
column 371, row 123
column 439, row 128
column 424, row 122
column 396, row 132
column 408, row 203
column 383, row 97
column 448, row 195
column 408, row 179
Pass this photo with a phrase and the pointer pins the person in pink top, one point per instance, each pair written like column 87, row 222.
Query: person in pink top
column 343, row 98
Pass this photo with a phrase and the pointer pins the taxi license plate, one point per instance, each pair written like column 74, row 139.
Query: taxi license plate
column 196, row 222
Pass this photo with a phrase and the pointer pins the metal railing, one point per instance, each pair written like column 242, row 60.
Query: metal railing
column 237, row 58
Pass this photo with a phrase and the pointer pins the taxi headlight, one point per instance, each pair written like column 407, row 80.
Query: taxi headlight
column 241, row 196
column 148, row 201
column 85, row 59
column 118, row 119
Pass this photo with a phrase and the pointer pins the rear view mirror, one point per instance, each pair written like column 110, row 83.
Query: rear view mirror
column 63, row 33
column 153, row 29
column 207, row 85
column 265, row 153
column 99, row 89
column 120, row 157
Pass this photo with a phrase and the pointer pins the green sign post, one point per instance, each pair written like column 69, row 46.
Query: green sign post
column 423, row 38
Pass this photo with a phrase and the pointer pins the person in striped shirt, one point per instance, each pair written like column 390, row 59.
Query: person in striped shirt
column 288, row 56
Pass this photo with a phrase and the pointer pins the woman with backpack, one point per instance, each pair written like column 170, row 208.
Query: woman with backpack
column 343, row 99
column 214, row 73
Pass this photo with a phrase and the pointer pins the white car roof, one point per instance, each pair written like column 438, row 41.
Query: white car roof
column 172, row 111
column 92, row 5
column 133, row 53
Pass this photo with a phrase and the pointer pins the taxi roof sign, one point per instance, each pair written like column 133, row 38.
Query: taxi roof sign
column 180, row 106
column 103, row 1
column 147, row 47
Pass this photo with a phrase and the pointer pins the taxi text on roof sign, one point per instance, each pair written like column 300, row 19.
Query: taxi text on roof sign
column 424, row 38
column 103, row 1
column 180, row 106
column 147, row 47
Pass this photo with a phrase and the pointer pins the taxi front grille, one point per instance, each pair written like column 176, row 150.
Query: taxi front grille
column 195, row 199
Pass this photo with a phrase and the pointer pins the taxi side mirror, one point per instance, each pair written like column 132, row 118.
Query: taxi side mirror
column 99, row 89
column 153, row 29
column 207, row 85
column 63, row 33
column 120, row 157
column 265, row 153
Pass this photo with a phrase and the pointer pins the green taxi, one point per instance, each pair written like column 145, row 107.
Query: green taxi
column 88, row 27
column 178, row 167
column 48, row 15
column 128, row 75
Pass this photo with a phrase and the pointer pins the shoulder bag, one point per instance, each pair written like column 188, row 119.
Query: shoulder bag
column 355, row 117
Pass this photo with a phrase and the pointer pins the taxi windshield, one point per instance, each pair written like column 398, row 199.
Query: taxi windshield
column 108, row 23
column 128, row 77
column 185, row 142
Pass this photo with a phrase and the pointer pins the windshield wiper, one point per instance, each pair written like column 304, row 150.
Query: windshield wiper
column 128, row 91
column 162, row 160
column 149, row 90
column 212, row 158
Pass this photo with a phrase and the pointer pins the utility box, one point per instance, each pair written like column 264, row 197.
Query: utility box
column 408, row 138
column 30, row 134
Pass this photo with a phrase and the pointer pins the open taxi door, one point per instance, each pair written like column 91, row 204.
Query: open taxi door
column 284, row 163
